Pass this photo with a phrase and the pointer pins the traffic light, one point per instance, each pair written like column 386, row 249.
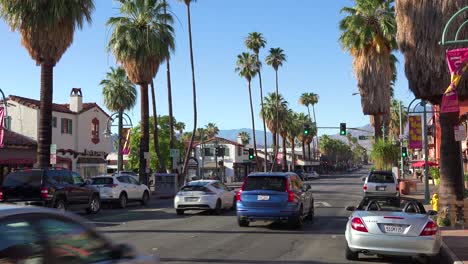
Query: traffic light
column 404, row 152
column 306, row 129
column 217, row 151
column 251, row 153
column 342, row 129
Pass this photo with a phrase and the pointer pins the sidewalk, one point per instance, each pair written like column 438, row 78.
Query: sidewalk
column 455, row 241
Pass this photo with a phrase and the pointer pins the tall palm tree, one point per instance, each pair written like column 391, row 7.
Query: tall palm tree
column 142, row 38
column 47, row 29
column 201, row 134
column 420, row 26
column 161, row 163
column 212, row 130
column 245, row 137
column 302, row 119
column 254, row 42
column 284, row 126
column 368, row 33
column 273, row 110
column 247, row 66
column 119, row 95
column 293, row 132
column 308, row 99
column 194, row 88
column 275, row 59
column 169, row 97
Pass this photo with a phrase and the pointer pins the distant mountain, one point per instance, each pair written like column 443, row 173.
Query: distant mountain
column 231, row 134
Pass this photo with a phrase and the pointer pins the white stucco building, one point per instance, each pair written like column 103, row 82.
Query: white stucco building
column 77, row 131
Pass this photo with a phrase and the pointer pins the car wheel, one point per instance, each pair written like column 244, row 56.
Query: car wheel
column 242, row 222
column 145, row 198
column 123, row 200
column 217, row 210
column 350, row 255
column 298, row 221
column 180, row 212
column 60, row 204
column 234, row 204
column 94, row 205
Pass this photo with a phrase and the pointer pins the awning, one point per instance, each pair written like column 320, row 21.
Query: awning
column 84, row 160
column 422, row 164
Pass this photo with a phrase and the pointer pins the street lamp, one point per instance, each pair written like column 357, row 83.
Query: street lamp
column 107, row 134
column 6, row 109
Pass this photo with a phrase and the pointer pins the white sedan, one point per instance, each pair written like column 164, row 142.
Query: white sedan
column 121, row 189
column 204, row 195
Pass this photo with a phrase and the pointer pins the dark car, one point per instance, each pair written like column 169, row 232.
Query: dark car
column 274, row 197
column 57, row 188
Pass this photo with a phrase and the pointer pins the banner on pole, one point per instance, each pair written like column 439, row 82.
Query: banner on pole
column 415, row 132
column 457, row 61
column 126, row 141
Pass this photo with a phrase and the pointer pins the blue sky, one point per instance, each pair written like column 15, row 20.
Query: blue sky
column 306, row 30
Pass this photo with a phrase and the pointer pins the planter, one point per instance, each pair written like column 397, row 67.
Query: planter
column 437, row 182
column 404, row 187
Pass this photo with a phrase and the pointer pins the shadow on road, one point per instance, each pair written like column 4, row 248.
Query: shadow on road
column 243, row 261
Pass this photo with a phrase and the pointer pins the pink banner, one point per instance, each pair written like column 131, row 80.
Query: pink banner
column 457, row 63
column 126, row 141
column 415, row 132
column 2, row 121
column 455, row 59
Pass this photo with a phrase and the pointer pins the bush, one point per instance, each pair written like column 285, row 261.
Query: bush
column 385, row 154
column 435, row 173
column 466, row 177
column 443, row 221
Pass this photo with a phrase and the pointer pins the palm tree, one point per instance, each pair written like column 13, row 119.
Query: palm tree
column 302, row 119
column 308, row 99
column 201, row 134
column 275, row 59
column 425, row 64
column 212, row 130
column 169, row 97
column 142, row 38
column 47, row 29
column 394, row 123
column 194, row 89
column 254, row 42
column 273, row 110
column 293, row 132
column 368, row 33
column 119, row 95
column 247, row 66
column 245, row 137
column 161, row 163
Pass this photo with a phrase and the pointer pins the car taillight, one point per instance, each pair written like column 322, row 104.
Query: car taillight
column 208, row 192
column 1, row 196
column 239, row 193
column 44, row 192
column 358, row 225
column 290, row 193
column 397, row 188
column 111, row 185
column 430, row 229
column 364, row 187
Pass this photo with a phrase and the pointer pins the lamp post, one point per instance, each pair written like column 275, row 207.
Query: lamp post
column 6, row 109
column 402, row 161
column 107, row 133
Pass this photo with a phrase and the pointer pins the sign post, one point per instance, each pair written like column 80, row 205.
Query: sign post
column 53, row 154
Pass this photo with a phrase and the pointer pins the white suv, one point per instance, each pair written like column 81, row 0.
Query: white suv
column 381, row 183
column 121, row 189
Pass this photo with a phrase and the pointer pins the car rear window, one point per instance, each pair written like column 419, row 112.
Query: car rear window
column 393, row 205
column 103, row 180
column 270, row 183
column 381, row 178
column 193, row 188
column 24, row 178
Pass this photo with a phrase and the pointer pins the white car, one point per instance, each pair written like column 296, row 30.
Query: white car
column 381, row 183
column 121, row 189
column 204, row 195
column 311, row 175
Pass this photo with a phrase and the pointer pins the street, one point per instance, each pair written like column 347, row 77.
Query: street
column 199, row 237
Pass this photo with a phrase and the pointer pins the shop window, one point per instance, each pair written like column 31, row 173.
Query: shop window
column 54, row 122
column 67, row 126
column 95, row 131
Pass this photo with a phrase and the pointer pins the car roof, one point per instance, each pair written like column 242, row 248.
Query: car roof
column 272, row 174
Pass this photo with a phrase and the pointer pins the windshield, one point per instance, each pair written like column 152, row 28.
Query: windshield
column 266, row 183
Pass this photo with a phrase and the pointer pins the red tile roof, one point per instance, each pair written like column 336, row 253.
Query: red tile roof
column 63, row 108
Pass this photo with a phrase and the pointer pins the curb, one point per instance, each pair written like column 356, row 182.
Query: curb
column 448, row 256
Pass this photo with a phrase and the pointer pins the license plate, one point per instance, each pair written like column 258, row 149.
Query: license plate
column 380, row 188
column 393, row 229
column 191, row 199
column 263, row 197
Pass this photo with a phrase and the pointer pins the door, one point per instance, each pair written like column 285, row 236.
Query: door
column 137, row 188
column 126, row 186
column 228, row 196
column 82, row 193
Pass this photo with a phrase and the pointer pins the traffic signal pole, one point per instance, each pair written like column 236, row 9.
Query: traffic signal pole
column 402, row 165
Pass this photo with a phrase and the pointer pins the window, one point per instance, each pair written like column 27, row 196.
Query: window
column 72, row 243
column 265, row 183
column 226, row 151
column 8, row 122
column 240, row 150
column 20, row 243
column 77, row 178
column 30, row 178
column 102, row 181
column 381, row 178
column 123, row 179
column 67, row 126
column 54, row 122
column 95, row 131
column 133, row 180
column 208, row 152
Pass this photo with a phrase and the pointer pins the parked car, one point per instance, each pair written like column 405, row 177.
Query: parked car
column 39, row 235
column 53, row 187
column 392, row 226
column 311, row 175
column 274, row 197
column 204, row 195
column 121, row 189
column 381, row 183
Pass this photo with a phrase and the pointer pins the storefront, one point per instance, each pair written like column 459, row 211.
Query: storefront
column 18, row 152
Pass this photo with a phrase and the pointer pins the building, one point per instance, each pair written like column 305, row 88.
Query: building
column 77, row 131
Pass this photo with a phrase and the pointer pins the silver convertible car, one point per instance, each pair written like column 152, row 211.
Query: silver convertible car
column 392, row 226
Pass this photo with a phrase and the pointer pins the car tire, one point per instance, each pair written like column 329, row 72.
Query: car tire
column 350, row 255
column 234, row 204
column 242, row 222
column 60, row 204
column 311, row 214
column 94, row 205
column 123, row 200
column 218, row 208
column 180, row 212
column 298, row 221
column 145, row 198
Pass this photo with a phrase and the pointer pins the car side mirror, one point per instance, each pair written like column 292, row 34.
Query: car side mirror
column 432, row 212
column 123, row 251
column 350, row 208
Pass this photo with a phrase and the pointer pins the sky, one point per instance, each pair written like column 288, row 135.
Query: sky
column 306, row 30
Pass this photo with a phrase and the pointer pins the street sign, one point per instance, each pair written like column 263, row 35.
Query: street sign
column 365, row 137
column 53, row 149
column 460, row 133
column 174, row 153
column 53, row 159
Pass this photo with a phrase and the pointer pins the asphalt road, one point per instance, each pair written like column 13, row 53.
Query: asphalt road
column 199, row 237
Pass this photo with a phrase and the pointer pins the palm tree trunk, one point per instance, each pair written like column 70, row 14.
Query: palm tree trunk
column 194, row 91
column 144, row 141
column 264, row 123
column 44, row 138
column 303, row 150
column 293, row 145
column 253, row 125
column 161, row 163
column 308, row 149
column 310, row 120
column 378, row 127
column 273, row 160
column 275, row 151
column 169, row 103
column 316, row 134
column 119, row 143
column 451, row 180
column 285, row 153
